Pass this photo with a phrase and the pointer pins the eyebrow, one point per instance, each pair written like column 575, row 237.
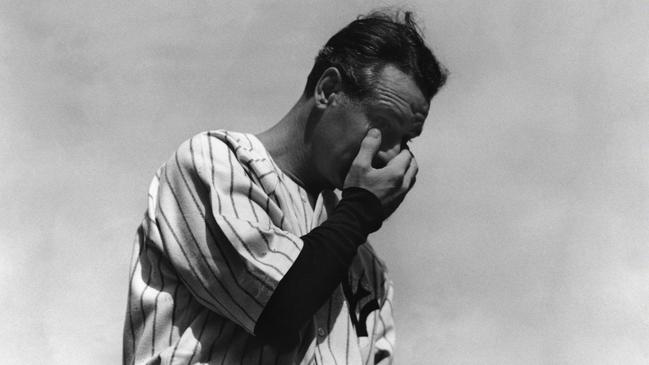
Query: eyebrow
column 420, row 110
column 420, row 115
column 397, row 115
column 417, row 122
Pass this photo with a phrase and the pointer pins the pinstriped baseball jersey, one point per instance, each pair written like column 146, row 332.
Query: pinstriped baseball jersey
column 222, row 228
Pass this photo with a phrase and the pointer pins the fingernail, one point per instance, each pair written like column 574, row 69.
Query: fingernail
column 374, row 133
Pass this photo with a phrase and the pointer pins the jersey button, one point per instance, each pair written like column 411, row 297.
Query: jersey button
column 321, row 332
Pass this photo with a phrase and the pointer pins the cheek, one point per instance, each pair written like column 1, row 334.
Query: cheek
column 334, row 162
column 340, row 136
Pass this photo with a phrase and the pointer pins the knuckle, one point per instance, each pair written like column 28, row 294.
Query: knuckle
column 358, row 166
column 405, row 186
column 411, row 183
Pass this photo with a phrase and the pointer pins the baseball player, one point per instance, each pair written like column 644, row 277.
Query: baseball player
column 247, row 256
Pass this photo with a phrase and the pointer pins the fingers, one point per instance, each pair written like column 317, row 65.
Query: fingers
column 369, row 147
column 410, row 176
column 401, row 161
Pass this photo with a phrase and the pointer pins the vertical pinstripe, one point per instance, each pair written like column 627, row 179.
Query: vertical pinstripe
column 222, row 227
column 329, row 325
column 210, row 229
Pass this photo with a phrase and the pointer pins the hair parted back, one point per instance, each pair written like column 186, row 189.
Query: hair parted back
column 361, row 50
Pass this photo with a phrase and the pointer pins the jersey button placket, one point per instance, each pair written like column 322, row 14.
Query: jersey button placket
column 321, row 332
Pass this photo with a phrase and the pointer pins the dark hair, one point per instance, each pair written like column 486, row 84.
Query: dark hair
column 369, row 43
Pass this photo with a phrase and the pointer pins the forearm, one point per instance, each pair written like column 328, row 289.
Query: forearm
column 326, row 255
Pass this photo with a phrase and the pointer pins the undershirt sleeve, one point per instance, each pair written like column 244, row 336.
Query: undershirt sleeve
column 320, row 267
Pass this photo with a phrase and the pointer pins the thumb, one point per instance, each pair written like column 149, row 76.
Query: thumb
column 369, row 147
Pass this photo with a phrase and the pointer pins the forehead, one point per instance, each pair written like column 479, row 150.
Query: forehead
column 397, row 92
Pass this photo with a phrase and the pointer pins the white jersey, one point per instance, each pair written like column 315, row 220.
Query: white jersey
column 222, row 228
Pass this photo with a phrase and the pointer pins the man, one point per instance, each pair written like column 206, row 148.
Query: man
column 246, row 256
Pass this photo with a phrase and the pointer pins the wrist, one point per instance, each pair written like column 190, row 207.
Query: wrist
column 366, row 207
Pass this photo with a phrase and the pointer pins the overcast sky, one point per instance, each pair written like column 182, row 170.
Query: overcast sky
column 525, row 240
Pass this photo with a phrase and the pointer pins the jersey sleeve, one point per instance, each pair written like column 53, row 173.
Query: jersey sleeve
column 221, row 231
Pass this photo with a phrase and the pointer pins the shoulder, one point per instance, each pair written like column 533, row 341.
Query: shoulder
column 223, row 158
column 202, row 148
column 209, row 152
column 198, row 163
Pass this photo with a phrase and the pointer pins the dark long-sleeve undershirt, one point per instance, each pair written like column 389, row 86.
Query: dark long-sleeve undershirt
column 326, row 256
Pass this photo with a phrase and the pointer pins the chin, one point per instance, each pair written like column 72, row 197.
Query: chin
column 340, row 181
column 334, row 185
column 328, row 184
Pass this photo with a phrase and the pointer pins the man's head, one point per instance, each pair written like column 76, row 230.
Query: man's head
column 365, row 46
column 375, row 72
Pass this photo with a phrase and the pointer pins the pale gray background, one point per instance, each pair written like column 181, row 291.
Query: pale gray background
column 525, row 240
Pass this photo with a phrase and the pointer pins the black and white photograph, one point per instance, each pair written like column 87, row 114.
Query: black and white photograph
column 324, row 182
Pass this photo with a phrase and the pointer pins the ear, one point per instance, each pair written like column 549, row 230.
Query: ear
column 328, row 88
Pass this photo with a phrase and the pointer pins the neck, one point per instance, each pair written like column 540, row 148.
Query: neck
column 287, row 144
